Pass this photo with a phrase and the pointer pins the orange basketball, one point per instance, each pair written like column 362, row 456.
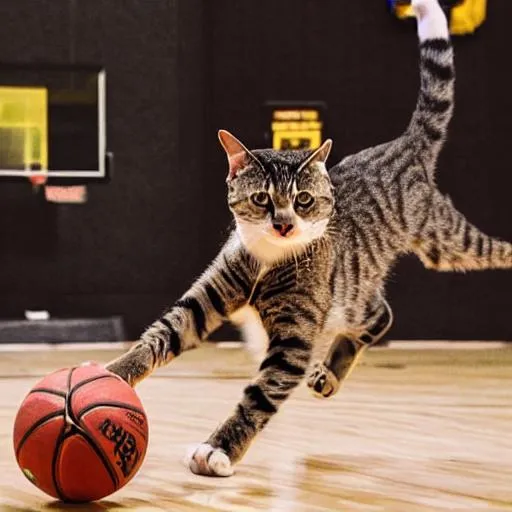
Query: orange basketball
column 80, row 434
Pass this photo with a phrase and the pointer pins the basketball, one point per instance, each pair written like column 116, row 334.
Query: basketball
column 80, row 434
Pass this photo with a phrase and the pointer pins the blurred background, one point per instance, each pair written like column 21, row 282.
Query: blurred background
column 105, row 264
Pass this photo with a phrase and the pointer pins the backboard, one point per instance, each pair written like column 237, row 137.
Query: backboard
column 53, row 123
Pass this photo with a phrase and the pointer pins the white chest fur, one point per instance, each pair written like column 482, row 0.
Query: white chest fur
column 335, row 322
column 248, row 320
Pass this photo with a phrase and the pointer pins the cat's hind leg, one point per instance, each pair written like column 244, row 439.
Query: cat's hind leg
column 326, row 377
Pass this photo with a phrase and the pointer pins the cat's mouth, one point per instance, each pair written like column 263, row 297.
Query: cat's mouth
column 286, row 240
column 268, row 244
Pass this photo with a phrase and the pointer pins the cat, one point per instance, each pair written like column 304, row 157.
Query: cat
column 307, row 261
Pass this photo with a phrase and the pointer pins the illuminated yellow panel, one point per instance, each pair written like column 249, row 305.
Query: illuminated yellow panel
column 299, row 126
column 296, row 129
column 294, row 139
column 295, row 115
column 24, row 128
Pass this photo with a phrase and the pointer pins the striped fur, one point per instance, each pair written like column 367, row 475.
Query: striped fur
column 321, row 282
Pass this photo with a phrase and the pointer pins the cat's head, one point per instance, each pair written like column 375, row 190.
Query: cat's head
column 281, row 200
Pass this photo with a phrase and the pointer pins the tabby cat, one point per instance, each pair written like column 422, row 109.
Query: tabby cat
column 307, row 261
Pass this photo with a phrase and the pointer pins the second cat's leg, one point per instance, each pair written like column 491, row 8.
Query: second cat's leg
column 326, row 377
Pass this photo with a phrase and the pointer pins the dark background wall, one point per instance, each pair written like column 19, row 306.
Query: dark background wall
column 136, row 244
column 177, row 70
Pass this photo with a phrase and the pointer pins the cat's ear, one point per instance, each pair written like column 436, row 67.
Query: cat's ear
column 238, row 155
column 320, row 155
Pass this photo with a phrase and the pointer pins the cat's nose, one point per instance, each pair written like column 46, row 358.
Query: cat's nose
column 283, row 229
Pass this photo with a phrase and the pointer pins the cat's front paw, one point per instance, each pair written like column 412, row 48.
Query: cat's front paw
column 206, row 460
column 322, row 382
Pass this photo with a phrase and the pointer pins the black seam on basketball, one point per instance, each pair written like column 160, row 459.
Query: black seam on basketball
column 63, row 436
column 69, row 397
column 91, row 379
column 48, row 391
column 119, row 405
column 56, row 457
column 60, row 440
column 69, row 411
column 83, row 429
column 84, row 432
column 36, row 425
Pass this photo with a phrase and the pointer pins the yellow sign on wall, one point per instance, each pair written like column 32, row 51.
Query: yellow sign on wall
column 24, row 128
column 295, row 128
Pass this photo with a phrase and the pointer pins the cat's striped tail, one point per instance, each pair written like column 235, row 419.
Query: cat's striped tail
column 429, row 123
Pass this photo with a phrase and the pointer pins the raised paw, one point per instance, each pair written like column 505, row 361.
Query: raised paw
column 204, row 459
column 322, row 382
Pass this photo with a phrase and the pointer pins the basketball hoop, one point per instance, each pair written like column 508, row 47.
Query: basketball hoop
column 38, row 180
column 34, row 136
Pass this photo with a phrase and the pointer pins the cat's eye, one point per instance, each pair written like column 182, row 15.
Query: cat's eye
column 304, row 199
column 260, row 199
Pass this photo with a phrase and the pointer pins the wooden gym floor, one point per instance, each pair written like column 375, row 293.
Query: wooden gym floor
column 412, row 430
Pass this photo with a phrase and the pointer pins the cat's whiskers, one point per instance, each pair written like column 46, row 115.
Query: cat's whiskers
column 296, row 262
